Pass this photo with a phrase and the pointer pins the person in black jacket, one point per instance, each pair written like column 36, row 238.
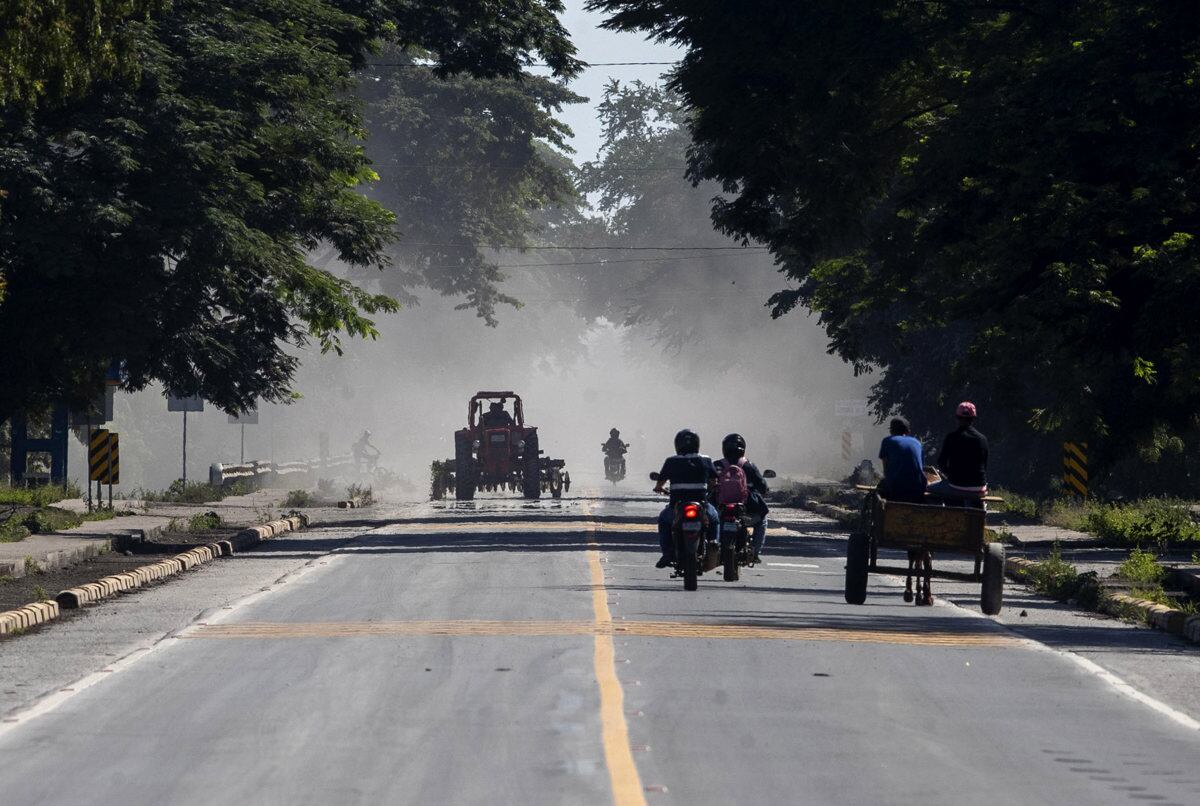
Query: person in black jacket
column 963, row 459
column 691, row 475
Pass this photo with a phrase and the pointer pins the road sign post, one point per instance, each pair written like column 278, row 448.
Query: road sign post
column 244, row 419
column 104, row 464
column 185, row 404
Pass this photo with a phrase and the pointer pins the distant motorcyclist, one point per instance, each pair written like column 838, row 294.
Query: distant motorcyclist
column 733, row 452
column 963, row 459
column 614, row 454
column 496, row 416
column 365, row 453
column 691, row 476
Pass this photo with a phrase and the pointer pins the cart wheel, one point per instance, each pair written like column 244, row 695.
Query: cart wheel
column 857, row 551
column 992, row 597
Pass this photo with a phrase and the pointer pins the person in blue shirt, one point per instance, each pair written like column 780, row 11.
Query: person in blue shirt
column 692, row 476
column 903, row 464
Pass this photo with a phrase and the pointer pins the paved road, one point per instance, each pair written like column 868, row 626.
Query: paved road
column 508, row 653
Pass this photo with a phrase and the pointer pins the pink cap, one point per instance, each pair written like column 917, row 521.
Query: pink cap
column 965, row 409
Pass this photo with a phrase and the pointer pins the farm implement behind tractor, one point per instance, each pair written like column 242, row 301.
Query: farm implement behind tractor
column 497, row 451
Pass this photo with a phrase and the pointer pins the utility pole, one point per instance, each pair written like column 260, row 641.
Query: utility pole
column 185, row 448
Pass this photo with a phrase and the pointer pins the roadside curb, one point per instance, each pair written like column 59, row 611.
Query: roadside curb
column 829, row 510
column 26, row 616
column 36, row 613
column 1122, row 605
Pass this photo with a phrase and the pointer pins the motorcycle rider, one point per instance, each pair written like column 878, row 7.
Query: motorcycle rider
column 733, row 451
column 614, row 450
column 691, row 475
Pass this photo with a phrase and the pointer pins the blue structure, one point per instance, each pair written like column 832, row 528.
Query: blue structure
column 55, row 445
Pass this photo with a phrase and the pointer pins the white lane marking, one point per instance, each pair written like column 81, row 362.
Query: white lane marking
column 1091, row 667
column 790, row 565
column 52, row 701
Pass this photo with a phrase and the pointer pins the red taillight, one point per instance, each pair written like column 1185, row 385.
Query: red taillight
column 730, row 509
column 691, row 512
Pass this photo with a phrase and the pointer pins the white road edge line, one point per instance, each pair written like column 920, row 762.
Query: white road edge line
column 52, row 701
column 1091, row 667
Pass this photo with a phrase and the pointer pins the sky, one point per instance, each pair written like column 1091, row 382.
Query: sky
column 597, row 45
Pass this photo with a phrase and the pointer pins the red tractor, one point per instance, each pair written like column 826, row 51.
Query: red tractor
column 497, row 451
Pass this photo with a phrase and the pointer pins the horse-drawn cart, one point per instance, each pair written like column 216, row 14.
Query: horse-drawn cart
column 920, row 530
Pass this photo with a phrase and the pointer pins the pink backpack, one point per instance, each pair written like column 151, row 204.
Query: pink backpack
column 731, row 483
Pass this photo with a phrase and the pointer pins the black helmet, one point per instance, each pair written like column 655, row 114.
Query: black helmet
column 687, row 441
column 733, row 447
column 612, row 432
column 495, row 406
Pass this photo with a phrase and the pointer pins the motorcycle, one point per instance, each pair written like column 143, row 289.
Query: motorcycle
column 614, row 464
column 688, row 529
column 736, row 548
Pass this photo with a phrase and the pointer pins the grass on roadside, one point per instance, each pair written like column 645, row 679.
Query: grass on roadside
column 1057, row 578
column 38, row 496
column 362, row 492
column 200, row 522
column 1155, row 522
column 299, row 498
column 193, row 492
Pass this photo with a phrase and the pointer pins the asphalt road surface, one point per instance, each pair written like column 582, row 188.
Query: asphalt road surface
column 507, row 653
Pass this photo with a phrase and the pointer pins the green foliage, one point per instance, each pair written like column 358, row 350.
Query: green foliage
column 986, row 200
column 465, row 163
column 1054, row 576
column 193, row 492
column 362, row 492
column 1019, row 504
column 203, row 521
column 38, row 496
column 51, row 519
column 12, row 529
column 299, row 498
column 1152, row 521
column 41, row 594
column 165, row 222
column 101, row 515
column 55, row 50
column 1142, row 567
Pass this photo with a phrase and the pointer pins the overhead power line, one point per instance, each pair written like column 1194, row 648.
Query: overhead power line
column 602, row 248
column 586, row 66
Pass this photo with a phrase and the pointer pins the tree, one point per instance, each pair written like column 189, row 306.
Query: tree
column 55, row 50
column 164, row 222
column 981, row 200
column 466, row 163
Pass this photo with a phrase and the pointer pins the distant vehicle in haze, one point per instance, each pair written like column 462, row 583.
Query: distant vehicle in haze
column 497, row 451
column 614, row 456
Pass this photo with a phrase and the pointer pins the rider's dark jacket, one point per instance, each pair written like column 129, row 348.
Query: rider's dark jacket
column 964, row 457
column 690, row 476
column 614, row 446
column 756, row 504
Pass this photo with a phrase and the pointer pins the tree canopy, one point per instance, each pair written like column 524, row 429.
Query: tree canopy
column 55, row 50
column 986, row 200
column 466, row 164
column 164, row 222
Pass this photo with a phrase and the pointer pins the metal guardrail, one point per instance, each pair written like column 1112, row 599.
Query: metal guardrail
column 258, row 474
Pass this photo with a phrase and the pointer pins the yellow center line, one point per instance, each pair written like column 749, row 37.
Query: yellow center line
column 618, row 755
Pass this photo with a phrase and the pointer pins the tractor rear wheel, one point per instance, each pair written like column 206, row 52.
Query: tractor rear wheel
column 531, row 477
column 464, row 470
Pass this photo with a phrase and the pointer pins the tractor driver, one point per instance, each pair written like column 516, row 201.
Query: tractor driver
column 496, row 416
